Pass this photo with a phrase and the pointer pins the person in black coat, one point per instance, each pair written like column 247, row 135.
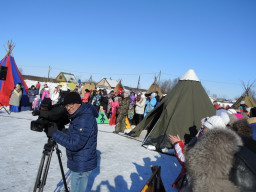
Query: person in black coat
column 32, row 92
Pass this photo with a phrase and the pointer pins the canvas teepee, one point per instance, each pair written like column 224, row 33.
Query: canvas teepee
column 13, row 77
column 90, row 85
column 246, row 97
column 118, row 86
column 155, row 87
column 180, row 112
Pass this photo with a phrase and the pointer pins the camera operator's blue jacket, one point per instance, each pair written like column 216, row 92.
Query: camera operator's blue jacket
column 80, row 140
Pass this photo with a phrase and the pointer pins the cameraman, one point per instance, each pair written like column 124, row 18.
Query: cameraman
column 55, row 113
column 80, row 140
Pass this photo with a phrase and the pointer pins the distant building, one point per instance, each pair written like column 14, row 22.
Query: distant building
column 106, row 84
column 66, row 77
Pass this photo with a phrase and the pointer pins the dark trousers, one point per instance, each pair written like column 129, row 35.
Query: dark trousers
column 138, row 118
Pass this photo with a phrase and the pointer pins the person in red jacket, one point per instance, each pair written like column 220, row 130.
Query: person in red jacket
column 86, row 96
column 114, row 106
column 38, row 85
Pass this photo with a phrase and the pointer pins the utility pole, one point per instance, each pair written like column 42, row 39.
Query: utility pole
column 138, row 83
column 49, row 69
column 159, row 77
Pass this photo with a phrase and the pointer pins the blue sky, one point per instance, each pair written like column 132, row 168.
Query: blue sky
column 123, row 39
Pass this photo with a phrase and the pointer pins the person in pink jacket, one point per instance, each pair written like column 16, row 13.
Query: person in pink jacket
column 46, row 93
column 114, row 106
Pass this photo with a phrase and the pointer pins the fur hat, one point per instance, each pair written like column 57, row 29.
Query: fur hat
column 71, row 98
column 213, row 122
column 242, row 127
column 232, row 118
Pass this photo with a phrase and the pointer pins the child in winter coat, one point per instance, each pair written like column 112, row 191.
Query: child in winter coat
column 35, row 104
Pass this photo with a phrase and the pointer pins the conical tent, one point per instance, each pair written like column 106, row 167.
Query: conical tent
column 89, row 86
column 248, row 100
column 118, row 86
column 180, row 112
column 246, row 97
column 13, row 77
column 155, row 87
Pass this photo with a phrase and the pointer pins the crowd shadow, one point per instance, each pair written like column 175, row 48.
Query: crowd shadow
column 60, row 186
column 170, row 169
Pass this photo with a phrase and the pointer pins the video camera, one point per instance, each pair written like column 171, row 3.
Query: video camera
column 42, row 124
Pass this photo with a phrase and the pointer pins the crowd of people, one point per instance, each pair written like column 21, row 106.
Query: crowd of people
column 219, row 158
column 222, row 155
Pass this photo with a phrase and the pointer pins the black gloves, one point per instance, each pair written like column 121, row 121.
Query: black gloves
column 51, row 130
column 36, row 112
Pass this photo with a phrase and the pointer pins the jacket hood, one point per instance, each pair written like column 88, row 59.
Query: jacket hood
column 87, row 108
column 210, row 160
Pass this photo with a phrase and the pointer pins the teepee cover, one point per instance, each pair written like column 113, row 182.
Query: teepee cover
column 180, row 112
column 13, row 77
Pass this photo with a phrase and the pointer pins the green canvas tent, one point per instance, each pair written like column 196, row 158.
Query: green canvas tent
column 248, row 100
column 180, row 112
column 246, row 97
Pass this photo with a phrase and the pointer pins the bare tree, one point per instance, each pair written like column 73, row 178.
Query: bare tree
column 167, row 85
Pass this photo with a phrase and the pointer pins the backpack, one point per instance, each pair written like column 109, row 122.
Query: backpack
column 149, row 107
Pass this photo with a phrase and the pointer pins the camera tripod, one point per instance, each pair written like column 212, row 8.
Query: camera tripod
column 47, row 154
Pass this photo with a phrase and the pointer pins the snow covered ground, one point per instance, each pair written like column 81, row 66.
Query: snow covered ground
column 123, row 164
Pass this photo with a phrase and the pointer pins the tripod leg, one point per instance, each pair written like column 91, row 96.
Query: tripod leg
column 47, row 165
column 39, row 184
column 39, row 173
column 58, row 152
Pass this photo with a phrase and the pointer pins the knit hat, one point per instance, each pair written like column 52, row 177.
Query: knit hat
column 47, row 102
column 224, row 115
column 71, row 98
column 239, row 116
column 214, row 122
column 248, row 109
column 231, row 111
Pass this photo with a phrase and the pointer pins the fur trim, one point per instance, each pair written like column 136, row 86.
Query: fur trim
column 251, row 120
column 242, row 127
column 210, row 160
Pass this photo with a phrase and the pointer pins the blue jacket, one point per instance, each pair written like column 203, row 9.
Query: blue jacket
column 150, row 105
column 80, row 140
